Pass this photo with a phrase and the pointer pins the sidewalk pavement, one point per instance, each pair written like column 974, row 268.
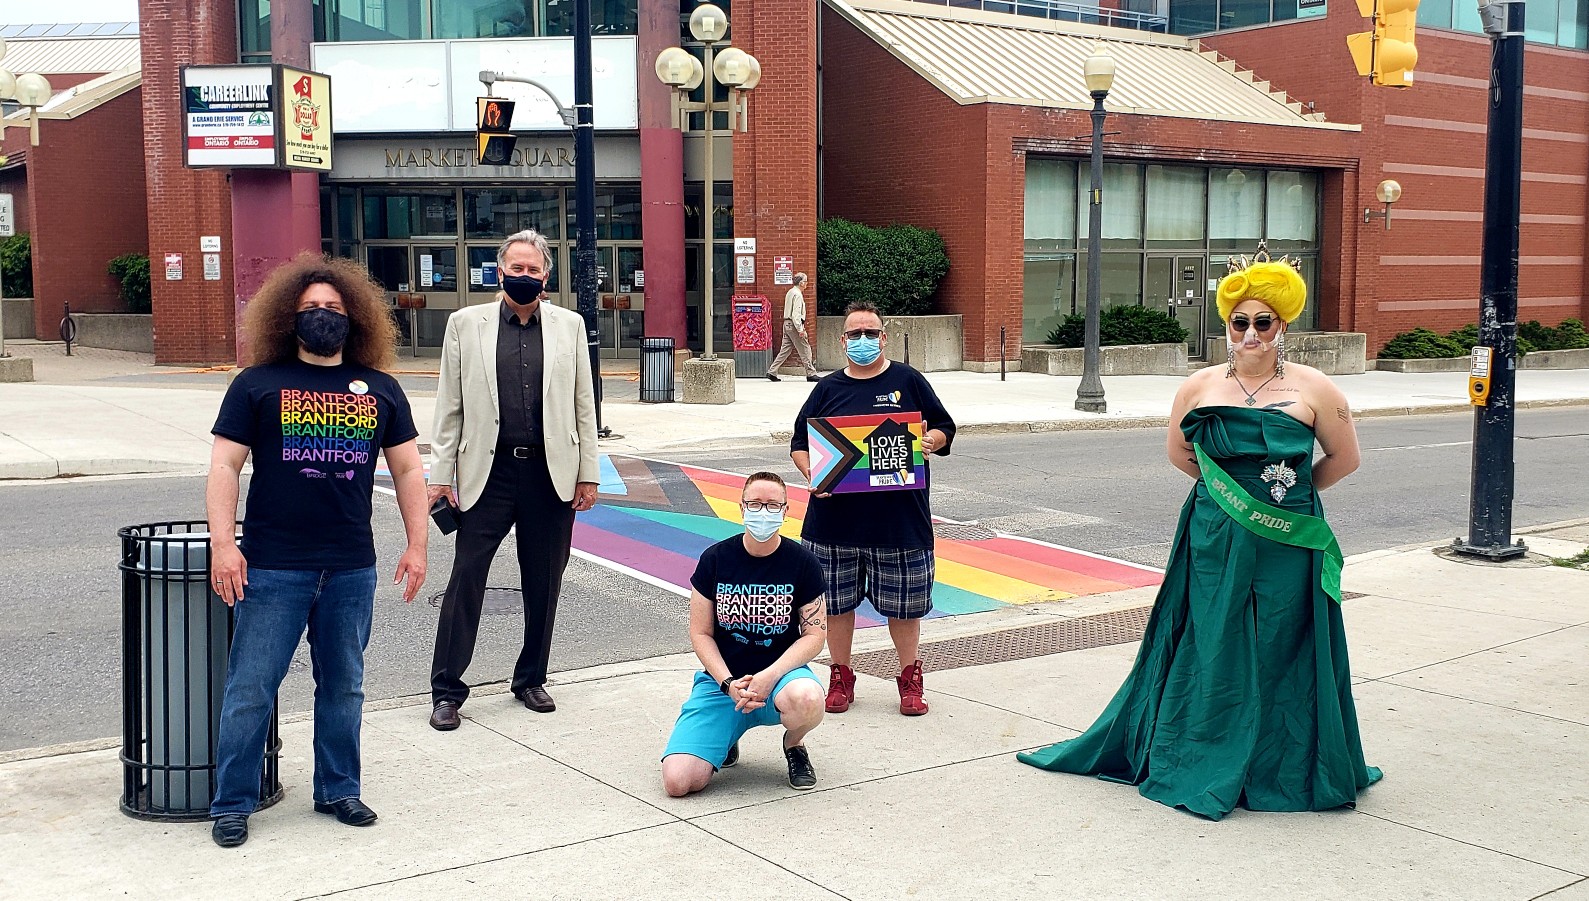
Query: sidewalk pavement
column 1470, row 691
column 108, row 412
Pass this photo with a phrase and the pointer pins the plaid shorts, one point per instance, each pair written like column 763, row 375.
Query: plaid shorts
column 898, row 581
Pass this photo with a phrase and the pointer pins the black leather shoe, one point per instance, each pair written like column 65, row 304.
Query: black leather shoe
column 536, row 698
column 445, row 717
column 773, row 378
column 802, row 776
column 348, row 811
column 733, row 756
column 813, row 378
column 230, row 830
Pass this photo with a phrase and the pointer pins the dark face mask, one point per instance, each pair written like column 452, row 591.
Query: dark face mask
column 321, row 331
column 522, row 289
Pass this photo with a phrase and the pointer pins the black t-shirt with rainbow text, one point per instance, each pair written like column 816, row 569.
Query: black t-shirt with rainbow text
column 756, row 600
column 315, row 433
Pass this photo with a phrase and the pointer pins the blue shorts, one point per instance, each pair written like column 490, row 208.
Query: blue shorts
column 709, row 725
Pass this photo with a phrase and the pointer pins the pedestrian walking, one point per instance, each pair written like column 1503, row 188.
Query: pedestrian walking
column 794, row 332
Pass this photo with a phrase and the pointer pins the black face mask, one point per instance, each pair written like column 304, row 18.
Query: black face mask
column 522, row 289
column 321, row 331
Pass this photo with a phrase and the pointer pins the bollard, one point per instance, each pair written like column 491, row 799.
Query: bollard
column 1001, row 353
column 176, row 635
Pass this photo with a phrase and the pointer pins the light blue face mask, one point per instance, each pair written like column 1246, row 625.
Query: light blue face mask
column 863, row 351
column 763, row 524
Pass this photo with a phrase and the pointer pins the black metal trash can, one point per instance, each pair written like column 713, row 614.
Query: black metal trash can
column 656, row 370
column 176, row 633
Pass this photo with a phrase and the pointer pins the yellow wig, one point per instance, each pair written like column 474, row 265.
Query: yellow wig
column 1276, row 284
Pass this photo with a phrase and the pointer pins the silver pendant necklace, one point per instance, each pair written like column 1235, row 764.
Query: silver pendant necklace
column 1252, row 396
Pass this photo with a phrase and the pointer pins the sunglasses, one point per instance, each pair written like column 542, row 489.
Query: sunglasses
column 864, row 333
column 1262, row 324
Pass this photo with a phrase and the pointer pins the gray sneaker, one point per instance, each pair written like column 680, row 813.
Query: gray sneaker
column 801, row 775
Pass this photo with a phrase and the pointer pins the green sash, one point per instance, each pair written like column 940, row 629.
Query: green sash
column 1273, row 523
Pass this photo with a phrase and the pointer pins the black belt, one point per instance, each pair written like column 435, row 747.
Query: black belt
column 524, row 452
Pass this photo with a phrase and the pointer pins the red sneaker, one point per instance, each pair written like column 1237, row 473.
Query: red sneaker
column 841, row 688
column 910, row 687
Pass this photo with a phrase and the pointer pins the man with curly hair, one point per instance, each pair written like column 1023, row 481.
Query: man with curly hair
column 313, row 410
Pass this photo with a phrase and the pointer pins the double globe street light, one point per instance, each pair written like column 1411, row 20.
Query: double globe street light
column 682, row 71
column 29, row 89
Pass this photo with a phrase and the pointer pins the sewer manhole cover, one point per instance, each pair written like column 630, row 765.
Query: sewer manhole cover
column 498, row 601
column 963, row 531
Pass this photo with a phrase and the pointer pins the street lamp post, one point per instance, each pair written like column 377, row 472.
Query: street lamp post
column 681, row 71
column 1099, row 71
column 32, row 91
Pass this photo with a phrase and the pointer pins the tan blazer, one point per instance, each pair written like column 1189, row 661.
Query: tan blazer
column 464, row 439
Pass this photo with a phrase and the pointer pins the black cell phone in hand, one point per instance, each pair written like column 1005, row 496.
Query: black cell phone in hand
column 445, row 515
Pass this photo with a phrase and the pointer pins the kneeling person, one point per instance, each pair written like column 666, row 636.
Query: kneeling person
column 757, row 617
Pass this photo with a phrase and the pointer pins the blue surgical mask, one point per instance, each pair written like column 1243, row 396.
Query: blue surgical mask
column 763, row 524
column 863, row 351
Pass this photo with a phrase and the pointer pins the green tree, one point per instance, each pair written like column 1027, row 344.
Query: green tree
column 16, row 266
column 897, row 267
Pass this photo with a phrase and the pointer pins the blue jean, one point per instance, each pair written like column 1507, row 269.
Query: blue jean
column 336, row 606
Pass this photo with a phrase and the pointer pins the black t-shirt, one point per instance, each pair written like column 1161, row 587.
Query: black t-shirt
column 314, row 432
column 756, row 600
column 880, row 519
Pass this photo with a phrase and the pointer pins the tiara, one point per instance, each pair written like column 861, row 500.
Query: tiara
column 1238, row 263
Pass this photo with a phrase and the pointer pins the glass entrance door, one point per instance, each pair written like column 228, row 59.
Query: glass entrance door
column 620, row 288
column 1176, row 285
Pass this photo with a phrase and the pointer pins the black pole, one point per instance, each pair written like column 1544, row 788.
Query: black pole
column 1490, row 513
column 585, row 198
column 1089, row 395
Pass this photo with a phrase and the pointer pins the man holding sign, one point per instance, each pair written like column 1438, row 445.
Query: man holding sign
column 870, row 427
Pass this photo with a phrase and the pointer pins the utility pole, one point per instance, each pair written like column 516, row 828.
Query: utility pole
column 585, row 198
column 1490, row 513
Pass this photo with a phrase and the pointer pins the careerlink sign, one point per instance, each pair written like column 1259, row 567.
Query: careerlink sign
column 258, row 116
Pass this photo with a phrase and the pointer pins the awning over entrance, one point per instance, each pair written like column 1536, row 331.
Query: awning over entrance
column 981, row 57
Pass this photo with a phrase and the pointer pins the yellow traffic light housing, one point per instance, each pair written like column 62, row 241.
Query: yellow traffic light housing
column 1387, row 54
column 493, row 119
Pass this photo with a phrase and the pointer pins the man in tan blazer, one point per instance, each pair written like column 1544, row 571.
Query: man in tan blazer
column 515, row 432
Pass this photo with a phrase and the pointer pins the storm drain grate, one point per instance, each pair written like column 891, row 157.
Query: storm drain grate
column 498, row 601
column 963, row 531
column 1040, row 640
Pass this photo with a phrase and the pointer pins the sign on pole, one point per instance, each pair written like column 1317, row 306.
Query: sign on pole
column 256, row 116
column 8, row 216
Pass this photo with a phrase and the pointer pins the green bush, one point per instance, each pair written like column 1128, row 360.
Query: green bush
column 1424, row 344
column 1121, row 325
column 897, row 267
column 132, row 271
column 16, row 266
column 1570, row 335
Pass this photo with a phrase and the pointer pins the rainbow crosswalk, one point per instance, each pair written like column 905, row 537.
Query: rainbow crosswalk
column 654, row 519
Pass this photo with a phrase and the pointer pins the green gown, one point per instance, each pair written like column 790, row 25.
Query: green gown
column 1241, row 693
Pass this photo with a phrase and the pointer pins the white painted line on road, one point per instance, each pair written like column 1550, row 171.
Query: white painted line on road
column 1421, row 446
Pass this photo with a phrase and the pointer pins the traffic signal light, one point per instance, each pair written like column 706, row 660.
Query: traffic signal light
column 1387, row 54
column 494, row 118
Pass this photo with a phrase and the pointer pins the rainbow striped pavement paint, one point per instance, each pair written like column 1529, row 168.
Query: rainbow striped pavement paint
column 655, row 518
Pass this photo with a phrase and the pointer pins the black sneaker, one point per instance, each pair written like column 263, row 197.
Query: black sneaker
column 773, row 378
column 801, row 776
column 733, row 756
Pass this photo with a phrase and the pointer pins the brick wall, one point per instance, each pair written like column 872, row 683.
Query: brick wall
column 775, row 163
column 1431, row 139
column 194, row 320
column 87, row 179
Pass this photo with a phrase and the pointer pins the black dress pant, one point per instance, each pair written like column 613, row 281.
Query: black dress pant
column 518, row 494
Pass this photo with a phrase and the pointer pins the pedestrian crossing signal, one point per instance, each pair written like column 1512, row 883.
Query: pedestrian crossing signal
column 1388, row 53
column 493, row 121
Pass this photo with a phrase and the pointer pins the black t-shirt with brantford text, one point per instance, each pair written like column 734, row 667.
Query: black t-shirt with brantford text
column 314, row 433
column 756, row 601
column 876, row 519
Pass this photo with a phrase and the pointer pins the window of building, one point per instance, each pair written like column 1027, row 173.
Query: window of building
column 1235, row 208
column 694, row 208
column 482, row 18
column 369, row 20
column 606, row 16
column 408, row 20
column 404, row 213
column 1122, row 204
column 1175, row 206
column 499, row 212
column 1292, row 222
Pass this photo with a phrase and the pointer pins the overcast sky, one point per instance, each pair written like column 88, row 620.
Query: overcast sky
column 25, row 11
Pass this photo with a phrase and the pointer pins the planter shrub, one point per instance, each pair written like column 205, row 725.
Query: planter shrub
column 1425, row 344
column 16, row 266
column 132, row 272
column 1570, row 335
column 897, row 267
column 1120, row 325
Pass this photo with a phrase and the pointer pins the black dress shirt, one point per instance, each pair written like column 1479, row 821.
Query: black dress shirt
column 520, row 356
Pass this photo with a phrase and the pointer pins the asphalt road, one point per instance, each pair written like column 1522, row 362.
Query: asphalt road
column 1106, row 492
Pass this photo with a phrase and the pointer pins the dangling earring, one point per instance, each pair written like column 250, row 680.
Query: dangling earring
column 1280, row 356
column 1230, row 359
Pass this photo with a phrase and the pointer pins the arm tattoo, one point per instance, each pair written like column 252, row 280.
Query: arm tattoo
column 1343, row 414
column 811, row 618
